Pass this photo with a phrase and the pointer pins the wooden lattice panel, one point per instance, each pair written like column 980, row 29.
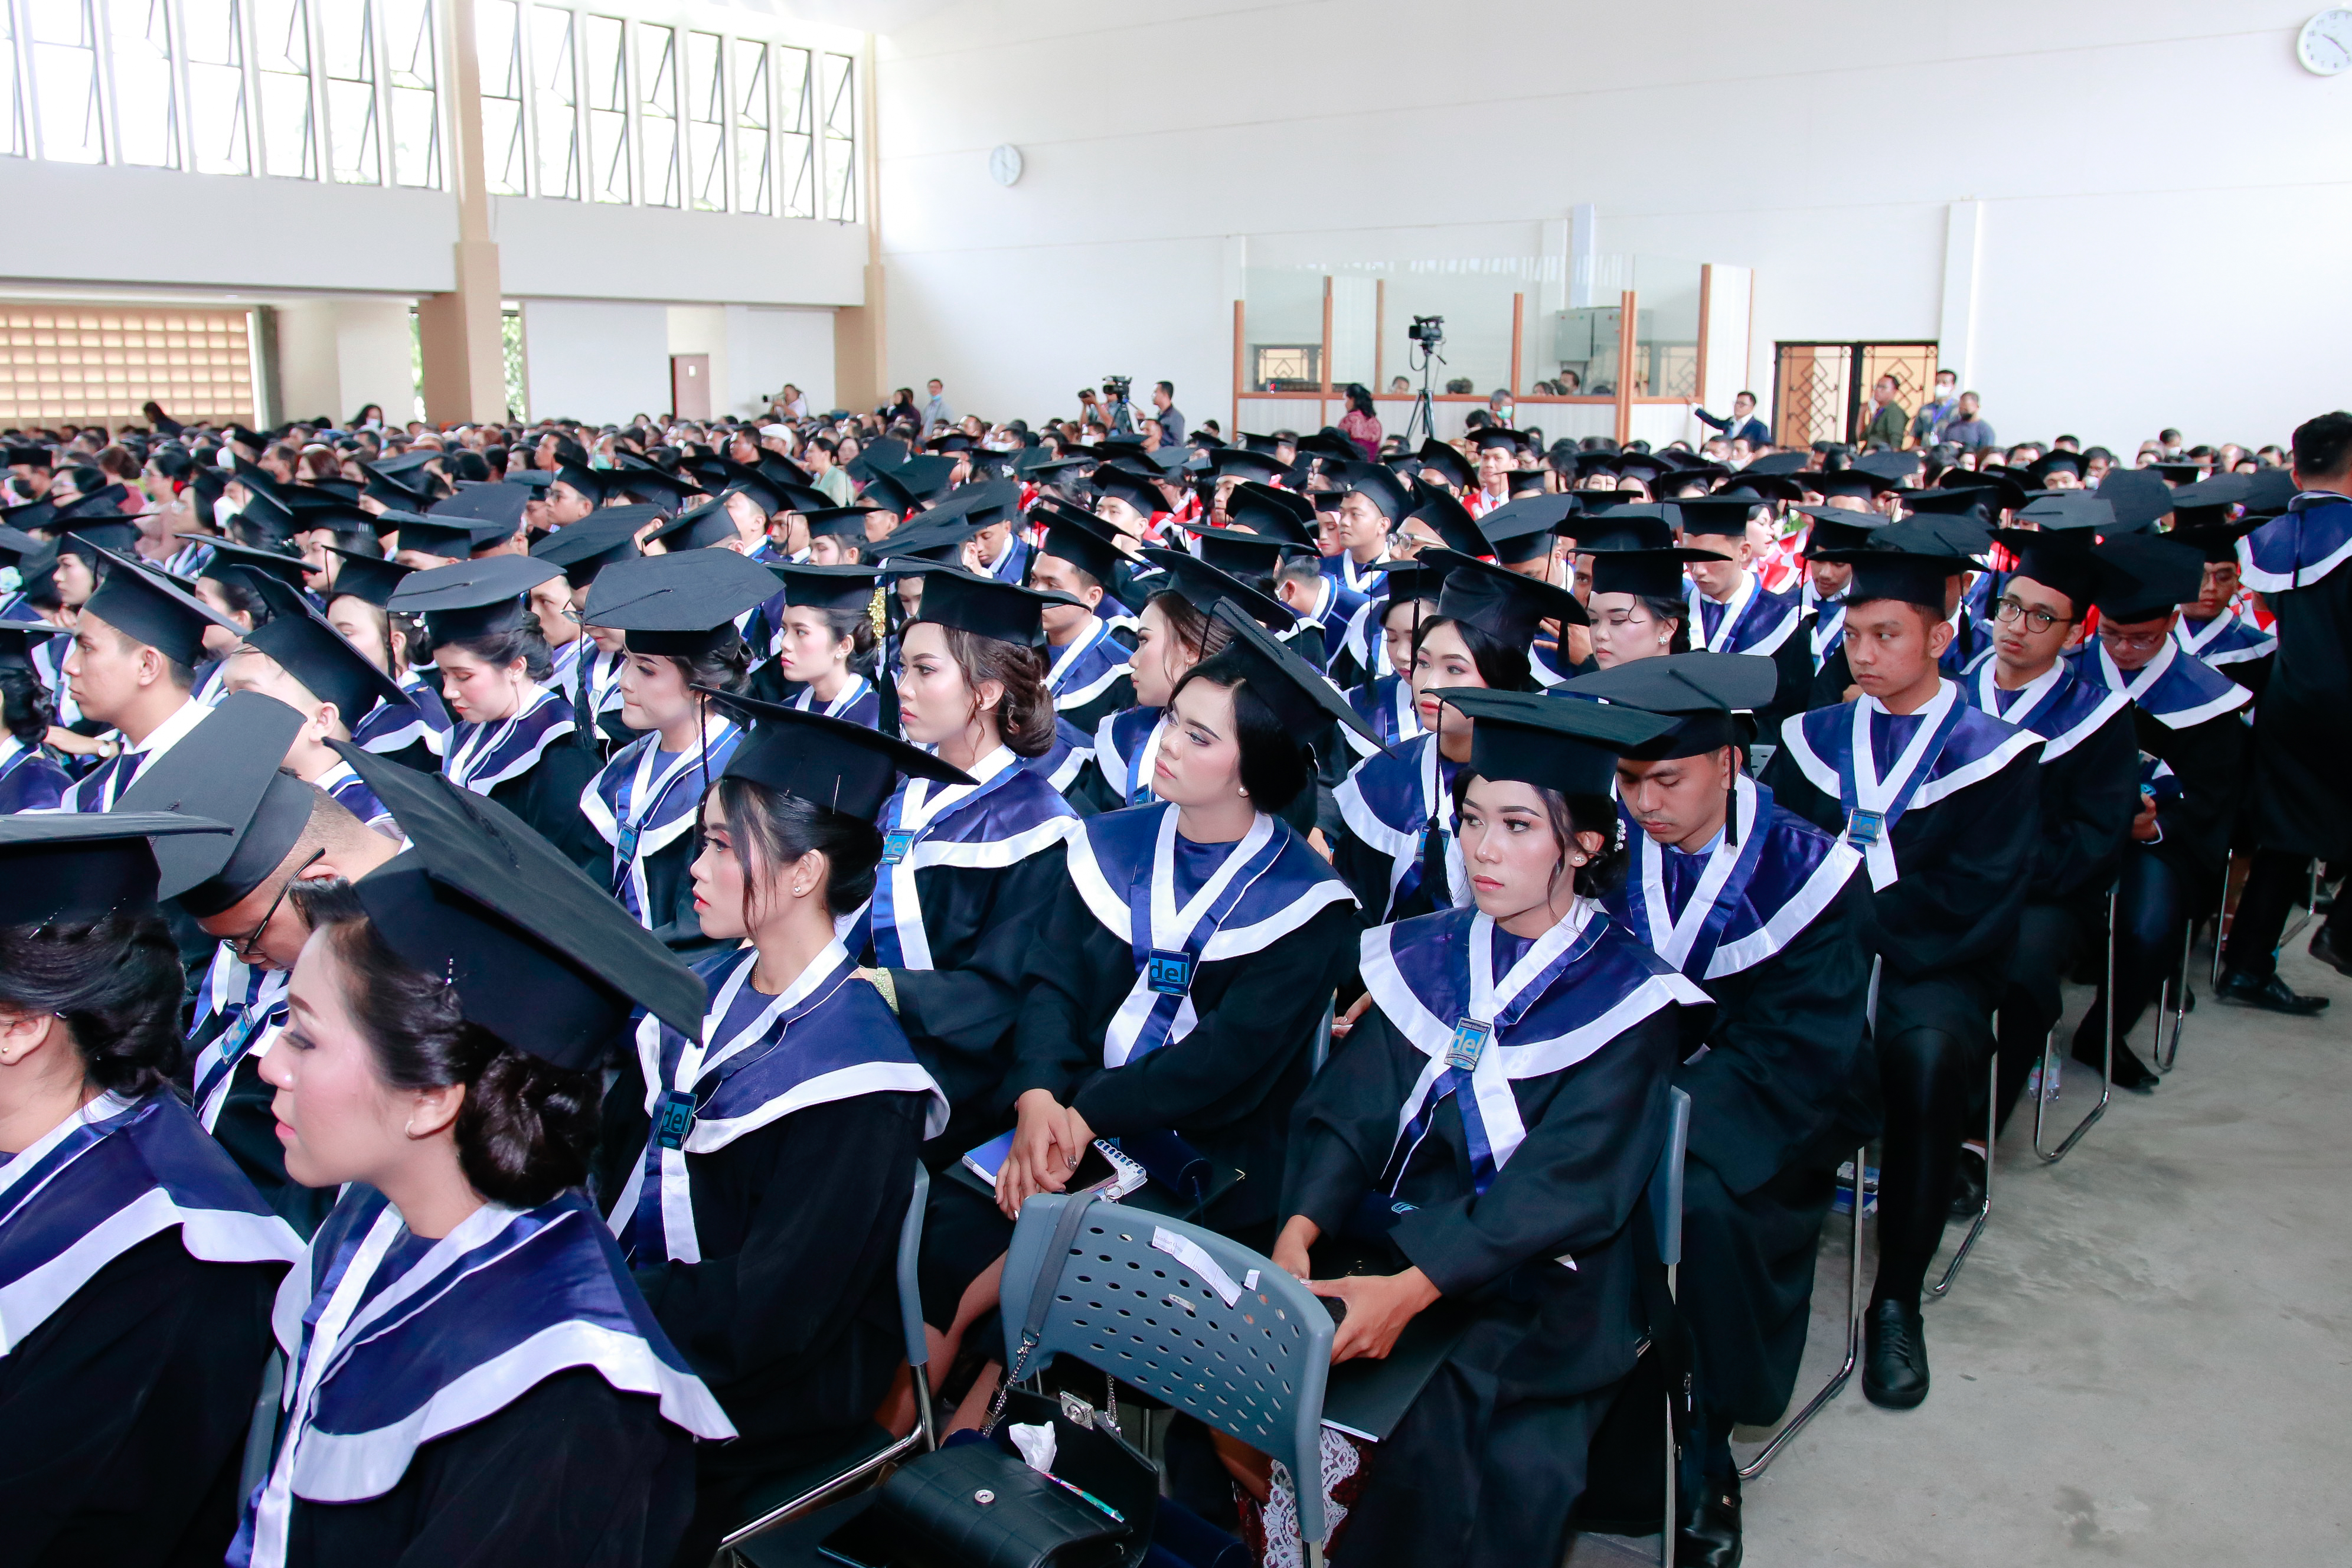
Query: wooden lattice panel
column 95, row 365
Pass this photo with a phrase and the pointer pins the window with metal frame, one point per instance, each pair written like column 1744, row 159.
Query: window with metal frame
column 657, row 112
column 606, row 46
column 555, row 100
column 706, row 122
column 755, row 188
column 497, row 38
column 840, row 89
column 796, row 96
column 212, row 45
column 281, row 43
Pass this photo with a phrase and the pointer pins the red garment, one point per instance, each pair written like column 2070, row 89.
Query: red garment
column 1364, row 430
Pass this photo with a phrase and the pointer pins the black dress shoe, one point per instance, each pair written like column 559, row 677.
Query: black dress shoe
column 1894, row 1368
column 2325, row 949
column 2130, row 1072
column 1967, row 1185
column 1710, row 1535
column 2269, row 993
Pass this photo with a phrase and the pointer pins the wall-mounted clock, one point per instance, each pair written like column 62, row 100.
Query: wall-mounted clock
column 2325, row 45
column 1004, row 162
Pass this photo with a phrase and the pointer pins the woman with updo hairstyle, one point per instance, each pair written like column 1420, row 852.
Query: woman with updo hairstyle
column 470, row 1374
column 968, row 869
column 1175, row 631
column 1188, row 1042
column 1484, row 1134
column 514, row 737
column 824, row 641
column 677, row 616
column 1396, row 845
column 358, row 607
column 756, row 1173
column 137, row 1261
column 30, row 780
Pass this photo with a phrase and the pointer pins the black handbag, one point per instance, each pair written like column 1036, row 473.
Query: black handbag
column 976, row 1503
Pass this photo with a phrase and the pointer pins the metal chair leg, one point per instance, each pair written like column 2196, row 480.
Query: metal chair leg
column 1853, row 1336
column 2106, row 1059
column 2310, row 900
column 2172, row 1003
column 2221, row 918
column 1992, row 1129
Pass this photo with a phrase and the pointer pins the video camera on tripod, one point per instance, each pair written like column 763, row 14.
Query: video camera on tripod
column 1427, row 332
column 1118, row 414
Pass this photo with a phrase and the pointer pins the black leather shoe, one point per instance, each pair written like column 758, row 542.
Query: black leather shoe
column 2269, row 993
column 2325, row 949
column 1967, row 1185
column 1894, row 1368
column 1710, row 1535
column 2130, row 1072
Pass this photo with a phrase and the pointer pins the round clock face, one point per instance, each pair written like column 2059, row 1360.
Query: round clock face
column 2325, row 45
column 1005, row 163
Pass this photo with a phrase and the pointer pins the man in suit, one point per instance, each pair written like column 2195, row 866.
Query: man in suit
column 1742, row 425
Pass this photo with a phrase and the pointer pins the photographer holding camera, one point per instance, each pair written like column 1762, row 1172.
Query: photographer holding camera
column 1117, row 413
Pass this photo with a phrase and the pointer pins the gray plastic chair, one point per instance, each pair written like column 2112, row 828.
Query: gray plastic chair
column 1665, row 1194
column 1253, row 1369
column 918, row 1355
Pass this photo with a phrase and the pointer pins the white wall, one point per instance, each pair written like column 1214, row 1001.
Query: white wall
column 2162, row 187
column 766, row 347
column 596, row 361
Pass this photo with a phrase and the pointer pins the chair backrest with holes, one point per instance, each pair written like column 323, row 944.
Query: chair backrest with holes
column 1134, row 1301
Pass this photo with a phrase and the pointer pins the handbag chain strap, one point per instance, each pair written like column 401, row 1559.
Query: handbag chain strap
column 1041, row 1301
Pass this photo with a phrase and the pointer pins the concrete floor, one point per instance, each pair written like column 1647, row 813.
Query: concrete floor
column 2148, row 1359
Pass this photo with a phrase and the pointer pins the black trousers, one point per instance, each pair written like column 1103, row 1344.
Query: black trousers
column 1924, row 1076
column 2153, row 904
column 2277, row 879
column 2048, row 938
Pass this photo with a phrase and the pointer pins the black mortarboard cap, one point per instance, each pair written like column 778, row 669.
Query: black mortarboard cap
column 29, row 457
column 1890, row 466
column 925, row 478
column 1717, row 517
column 1647, row 574
column 2268, row 492
column 1081, row 541
column 2067, row 511
column 2039, row 471
column 1447, row 459
column 584, row 548
column 2203, row 504
column 650, row 484
column 1972, row 501
column 1635, row 525
column 2058, row 560
column 1853, row 481
column 1456, row 528
column 1494, row 438
column 2145, row 576
column 84, row 866
column 17, row 639
column 1278, row 513
column 2004, row 493
column 1703, row 693
column 986, row 607
column 455, row 538
column 2138, row 497
column 1418, row 578
column 539, row 955
column 485, row 502
column 1203, row 586
column 846, row 523
column 144, row 607
column 837, row 764
column 1505, row 605
column 913, row 548
column 367, row 578
column 2216, row 542
column 705, row 527
column 472, row 598
column 1523, row 482
column 1523, row 529
column 2181, row 471
column 1247, row 556
column 825, row 587
column 884, row 490
column 1244, row 463
column 87, row 536
column 1773, row 463
column 588, row 482
column 1138, row 491
column 290, row 570
column 1551, row 742
column 1294, row 689
column 313, row 652
column 985, row 502
column 1840, row 527
column 1380, row 485
column 229, row 768
column 683, row 605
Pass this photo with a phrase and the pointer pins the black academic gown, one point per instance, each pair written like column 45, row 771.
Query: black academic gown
column 1786, row 1089
column 1945, row 927
column 792, row 1316
column 571, row 1474
column 2301, row 799
column 2089, row 796
column 124, row 1414
column 2210, row 762
column 959, row 1013
column 1485, row 1465
column 547, row 796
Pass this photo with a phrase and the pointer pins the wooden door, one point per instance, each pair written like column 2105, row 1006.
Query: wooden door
column 690, row 385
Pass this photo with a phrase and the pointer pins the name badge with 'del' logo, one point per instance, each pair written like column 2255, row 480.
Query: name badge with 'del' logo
column 896, row 843
column 1169, row 973
column 1470, row 1039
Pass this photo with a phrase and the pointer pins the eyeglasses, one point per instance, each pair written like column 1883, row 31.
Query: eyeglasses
column 2035, row 616
column 246, row 947
column 2114, row 639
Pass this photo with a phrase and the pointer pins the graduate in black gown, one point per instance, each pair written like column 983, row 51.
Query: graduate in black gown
column 678, row 614
column 588, row 666
column 1174, row 991
column 1086, row 670
column 1943, row 801
column 2210, row 624
column 1396, row 845
column 2090, row 790
column 2191, row 723
column 2299, row 803
column 1763, row 911
column 968, row 870
column 471, row 1377
column 136, row 1265
column 757, row 1174
column 1824, row 594
column 236, row 887
column 1486, row 1134
column 515, row 739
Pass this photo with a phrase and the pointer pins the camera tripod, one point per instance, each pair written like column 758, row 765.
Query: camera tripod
column 1424, row 408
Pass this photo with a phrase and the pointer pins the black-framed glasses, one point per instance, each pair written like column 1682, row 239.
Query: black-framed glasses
column 244, row 947
column 2010, row 609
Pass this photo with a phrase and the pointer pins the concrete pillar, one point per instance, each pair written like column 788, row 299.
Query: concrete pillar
column 461, row 332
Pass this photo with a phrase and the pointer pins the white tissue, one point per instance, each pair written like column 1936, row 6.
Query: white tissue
column 1036, row 1446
